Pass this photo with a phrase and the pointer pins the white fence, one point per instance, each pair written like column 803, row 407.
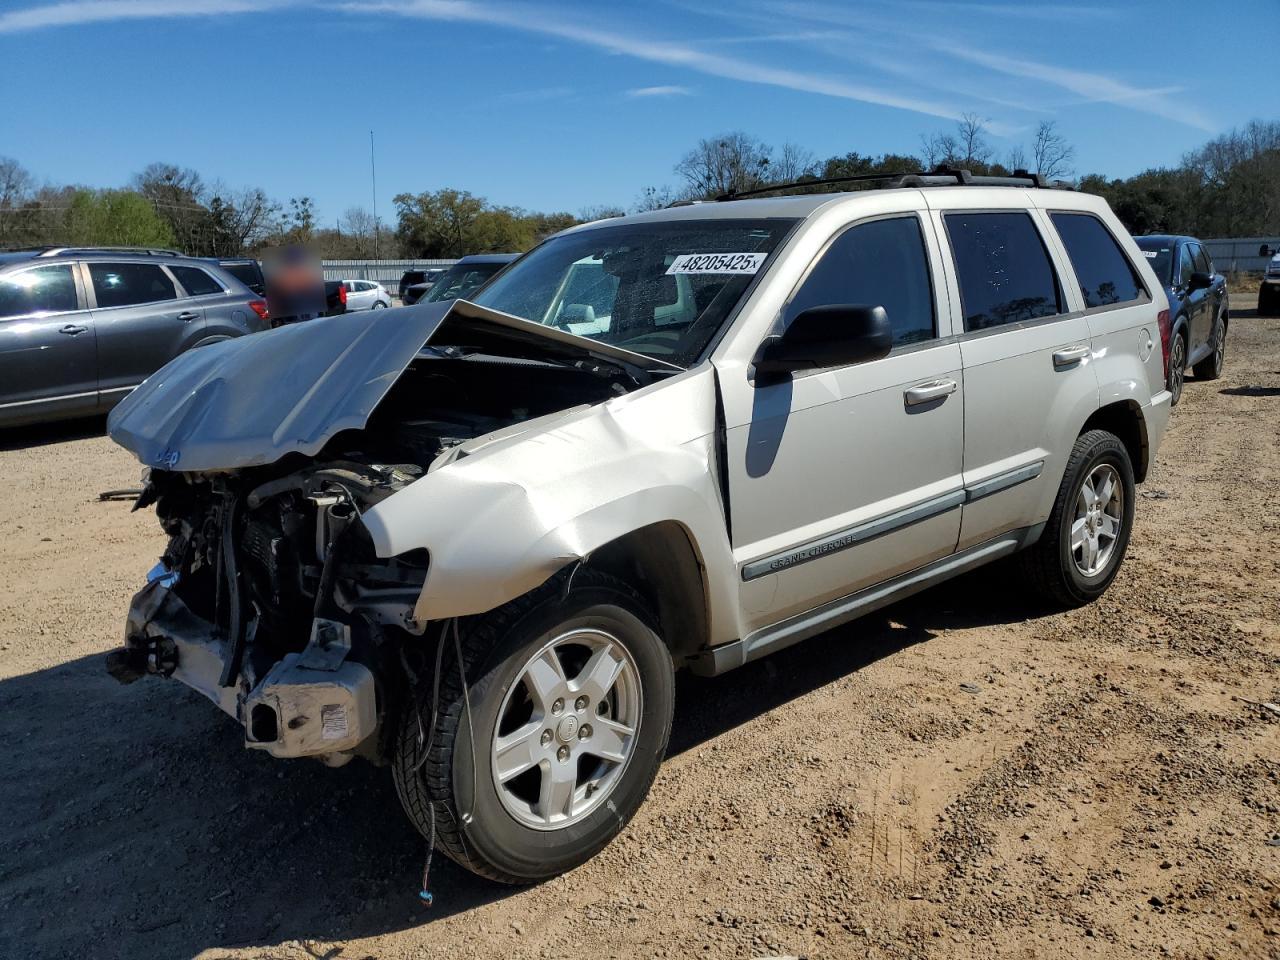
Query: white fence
column 385, row 272
column 1240, row 254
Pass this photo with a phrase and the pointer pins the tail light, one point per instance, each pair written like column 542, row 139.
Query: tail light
column 342, row 294
column 259, row 307
column 1166, row 335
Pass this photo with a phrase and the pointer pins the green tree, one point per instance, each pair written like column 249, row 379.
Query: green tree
column 115, row 218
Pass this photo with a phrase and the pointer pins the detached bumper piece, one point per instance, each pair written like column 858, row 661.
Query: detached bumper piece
column 317, row 703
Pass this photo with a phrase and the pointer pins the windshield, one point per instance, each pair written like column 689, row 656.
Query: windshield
column 1159, row 254
column 461, row 279
column 662, row 289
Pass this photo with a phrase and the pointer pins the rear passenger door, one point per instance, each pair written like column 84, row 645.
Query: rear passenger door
column 1028, row 377
column 142, row 323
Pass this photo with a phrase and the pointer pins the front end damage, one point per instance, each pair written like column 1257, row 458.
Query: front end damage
column 266, row 457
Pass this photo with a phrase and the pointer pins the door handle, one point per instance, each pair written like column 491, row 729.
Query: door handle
column 933, row 390
column 186, row 316
column 71, row 330
column 1065, row 358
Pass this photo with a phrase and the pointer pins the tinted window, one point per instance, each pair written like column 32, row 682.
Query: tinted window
column 1104, row 272
column 882, row 263
column 1004, row 269
column 1160, row 255
column 250, row 274
column 1203, row 264
column 124, row 284
column 49, row 289
column 1186, row 265
column 462, row 280
column 195, row 281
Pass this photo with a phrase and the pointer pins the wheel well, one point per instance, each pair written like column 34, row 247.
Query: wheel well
column 660, row 561
column 1124, row 419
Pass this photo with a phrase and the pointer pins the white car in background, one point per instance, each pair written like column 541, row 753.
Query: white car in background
column 366, row 295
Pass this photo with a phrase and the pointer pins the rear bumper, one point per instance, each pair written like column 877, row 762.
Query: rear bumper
column 317, row 703
column 1156, row 416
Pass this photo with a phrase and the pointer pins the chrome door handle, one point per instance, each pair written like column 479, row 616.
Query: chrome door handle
column 1065, row 358
column 71, row 330
column 186, row 316
column 934, row 390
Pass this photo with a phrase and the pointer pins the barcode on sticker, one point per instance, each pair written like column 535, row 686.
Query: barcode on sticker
column 333, row 722
column 1149, row 254
column 747, row 263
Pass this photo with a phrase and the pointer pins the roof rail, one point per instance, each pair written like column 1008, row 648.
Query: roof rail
column 942, row 176
column 146, row 251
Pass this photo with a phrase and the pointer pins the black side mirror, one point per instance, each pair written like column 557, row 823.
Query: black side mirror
column 1265, row 251
column 1199, row 281
column 837, row 335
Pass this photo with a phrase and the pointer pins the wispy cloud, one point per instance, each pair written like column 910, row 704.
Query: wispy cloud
column 76, row 13
column 668, row 91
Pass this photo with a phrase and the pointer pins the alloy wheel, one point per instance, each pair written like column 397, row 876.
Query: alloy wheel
column 1098, row 520
column 1177, row 367
column 566, row 729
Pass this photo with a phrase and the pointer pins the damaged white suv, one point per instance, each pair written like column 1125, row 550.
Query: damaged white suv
column 474, row 540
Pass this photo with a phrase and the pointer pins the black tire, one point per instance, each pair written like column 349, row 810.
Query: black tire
column 495, row 647
column 1177, row 366
column 1268, row 303
column 378, row 305
column 1210, row 368
column 1049, row 565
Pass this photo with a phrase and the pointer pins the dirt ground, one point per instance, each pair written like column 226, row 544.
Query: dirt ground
column 965, row 775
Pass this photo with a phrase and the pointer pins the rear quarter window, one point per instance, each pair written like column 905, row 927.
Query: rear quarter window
column 1105, row 274
column 196, row 282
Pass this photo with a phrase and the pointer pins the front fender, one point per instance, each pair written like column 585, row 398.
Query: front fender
column 500, row 522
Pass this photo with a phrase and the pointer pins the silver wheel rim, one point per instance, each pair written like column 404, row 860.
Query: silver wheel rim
column 567, row 729
column 1176, row 364
column 1099, row 517
column 1220, row 344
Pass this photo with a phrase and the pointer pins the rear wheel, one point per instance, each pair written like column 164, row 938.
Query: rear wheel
column 1268, row 301
column 571, row 697
column 1210, row 368
column 378, row 305
column 1177, row 367
column 1087, row 533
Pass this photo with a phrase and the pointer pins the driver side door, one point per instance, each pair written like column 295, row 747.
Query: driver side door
column 842, row 478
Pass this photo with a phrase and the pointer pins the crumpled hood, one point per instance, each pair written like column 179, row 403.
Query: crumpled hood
column 252, row 400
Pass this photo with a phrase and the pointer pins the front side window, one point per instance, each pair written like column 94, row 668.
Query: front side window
column 127, row 284
column 195, row 281
column 1203, row 263
column 1004, row 270
column 1106, row 276
column 663, row 289
column 50, row 289
column 878, row 264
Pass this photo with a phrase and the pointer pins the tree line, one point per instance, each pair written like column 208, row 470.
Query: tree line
column 1228, row 187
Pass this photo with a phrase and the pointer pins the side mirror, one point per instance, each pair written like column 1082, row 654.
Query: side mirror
column 837, row 335
column 1265, row 251
column 1199, row 281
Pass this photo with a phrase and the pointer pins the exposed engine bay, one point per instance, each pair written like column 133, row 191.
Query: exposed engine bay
column 269, row 598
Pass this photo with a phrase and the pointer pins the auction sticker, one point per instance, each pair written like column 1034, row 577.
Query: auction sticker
column 745, row 263
column 1151, row 254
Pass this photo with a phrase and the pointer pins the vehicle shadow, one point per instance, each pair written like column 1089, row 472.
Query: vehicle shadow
column 43, row 434
column 136, row 825
column 1251, row 391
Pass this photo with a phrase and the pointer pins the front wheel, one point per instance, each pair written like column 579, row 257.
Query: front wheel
column 1210, row 368
column 378, row 305
column 571, row 695
column 1085, row 538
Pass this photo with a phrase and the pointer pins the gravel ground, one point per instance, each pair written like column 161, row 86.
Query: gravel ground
column 966, row 774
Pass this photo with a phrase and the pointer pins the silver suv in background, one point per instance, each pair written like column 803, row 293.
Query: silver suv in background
column 685, row 438
column 81, row 327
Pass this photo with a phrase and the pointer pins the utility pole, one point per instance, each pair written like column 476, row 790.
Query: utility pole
column 373, row 176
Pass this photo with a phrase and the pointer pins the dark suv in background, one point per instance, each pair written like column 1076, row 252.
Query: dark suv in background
column 81, row 327
column 1198, row 311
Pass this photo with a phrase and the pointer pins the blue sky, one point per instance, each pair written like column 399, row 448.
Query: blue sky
column 560, row 105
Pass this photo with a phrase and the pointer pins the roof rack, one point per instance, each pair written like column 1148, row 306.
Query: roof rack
column 942, row 176
column 146, row 251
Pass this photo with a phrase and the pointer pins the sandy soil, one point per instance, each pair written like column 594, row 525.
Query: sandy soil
column 1104, row 792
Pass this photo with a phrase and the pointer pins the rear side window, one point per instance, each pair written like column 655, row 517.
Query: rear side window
column 1004, row 269
column 126, row 284
column 880, row 264
column 195, row 281
column 50, row 289
column 1106, row 276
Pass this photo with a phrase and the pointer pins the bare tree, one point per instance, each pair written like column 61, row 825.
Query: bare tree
column 1016, row 158
column 600, row 211
column 178, row 195
column 654, row 198
column 1051, row 152
column 359, row 226
column 937, row 149
column 731, row 162
column 792, row 163
column 15, row 189
column 973, row 149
